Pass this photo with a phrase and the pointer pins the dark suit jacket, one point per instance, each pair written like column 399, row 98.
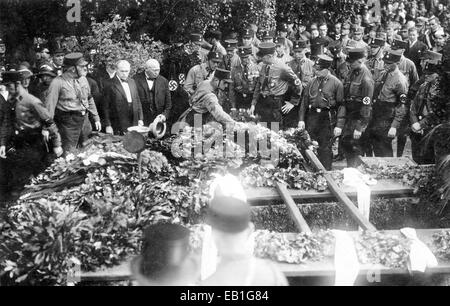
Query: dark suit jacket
column 414, row 52
column 163, row 101
column 116, row 106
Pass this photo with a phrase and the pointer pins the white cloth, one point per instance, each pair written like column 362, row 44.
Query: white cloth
column 354, row 178
column 209, row 254
column 127, row 90
column 420, row 256
column 4, row 93
column 346, row 261
column 150, row 84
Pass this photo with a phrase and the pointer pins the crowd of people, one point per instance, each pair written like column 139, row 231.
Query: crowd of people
column 362, row 83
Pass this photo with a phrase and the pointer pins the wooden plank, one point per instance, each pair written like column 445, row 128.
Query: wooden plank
column 260, row 196
column 340, row 195
column 295, row 213
column 324, row 267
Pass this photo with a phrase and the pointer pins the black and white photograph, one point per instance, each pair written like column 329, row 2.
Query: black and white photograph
column 206, row 144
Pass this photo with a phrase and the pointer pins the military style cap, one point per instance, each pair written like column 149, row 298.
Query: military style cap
column 280, row 40
column 46, row 70
column 248, row 33
column 283, row 27
column 9, row 77
column 230, row 44
column 378, row 42
column 74, row 59
column 266, row 34
column 216, row 34
column 392, row 57
column 299, row 45
column 215, row 56
column 222, row 74
column 266, row 48
column 355, row 54
column 399, row 44
column 228, row 214
column 323, row 61
column 60, row 51
column 431, row 56
column 430, row 68
column 231, row 36
column 245, row 51
column 196, row 37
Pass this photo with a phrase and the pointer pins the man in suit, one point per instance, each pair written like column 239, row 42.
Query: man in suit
column 415, row 48
column 154, row 93
column 122, row 104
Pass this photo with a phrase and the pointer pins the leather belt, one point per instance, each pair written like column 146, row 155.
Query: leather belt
column 319, row 109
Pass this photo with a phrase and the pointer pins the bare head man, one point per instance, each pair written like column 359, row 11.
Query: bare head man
column 123, row 69
column 152, row 68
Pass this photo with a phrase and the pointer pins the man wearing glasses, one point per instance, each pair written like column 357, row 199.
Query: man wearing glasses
column 70, row 101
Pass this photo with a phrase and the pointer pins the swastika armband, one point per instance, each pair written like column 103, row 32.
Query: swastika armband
column 173, row 85
column 366, row 101
column 403, row 99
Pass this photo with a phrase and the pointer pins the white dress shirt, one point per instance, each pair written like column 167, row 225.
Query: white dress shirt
column 4, row 92
column 149, row 83
column 127, row 90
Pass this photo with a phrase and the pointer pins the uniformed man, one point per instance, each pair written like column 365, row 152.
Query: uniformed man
column 266, row 36
column 214, row 37
column 302, row 33
column 358, row 92
column 26, row 130
column 375, row 62
column 282, row 56
column 46, row 75
column 70, row 101
column 409, row 70
column 244, row 78
column 406, row 66
column 389, row 105
column 358, row 39
column 231, row 59
column 421, row 111
column 247, row 41
column 345, row 35
column 287, row 43
column 336, row 53
column 318, row 108
column 302, row 66
column 205, row 100
column 271, row 87
column 198, row 46
column 201, row 72
column 58, row 61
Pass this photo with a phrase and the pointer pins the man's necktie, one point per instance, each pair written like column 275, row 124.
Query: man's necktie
column 266, row 78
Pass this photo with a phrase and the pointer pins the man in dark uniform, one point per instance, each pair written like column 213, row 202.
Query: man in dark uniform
column 421, row 112
column 244, row 78
column 389, row 105
column 303, row 67
column 409, row 70
column 26, row 129
column 375, row 62
column 205, row 101
column 358, row 91
column 46, row 75
column 318, row 107
column 271, row 87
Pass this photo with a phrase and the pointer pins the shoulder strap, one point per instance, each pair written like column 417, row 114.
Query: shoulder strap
column 380, row 86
